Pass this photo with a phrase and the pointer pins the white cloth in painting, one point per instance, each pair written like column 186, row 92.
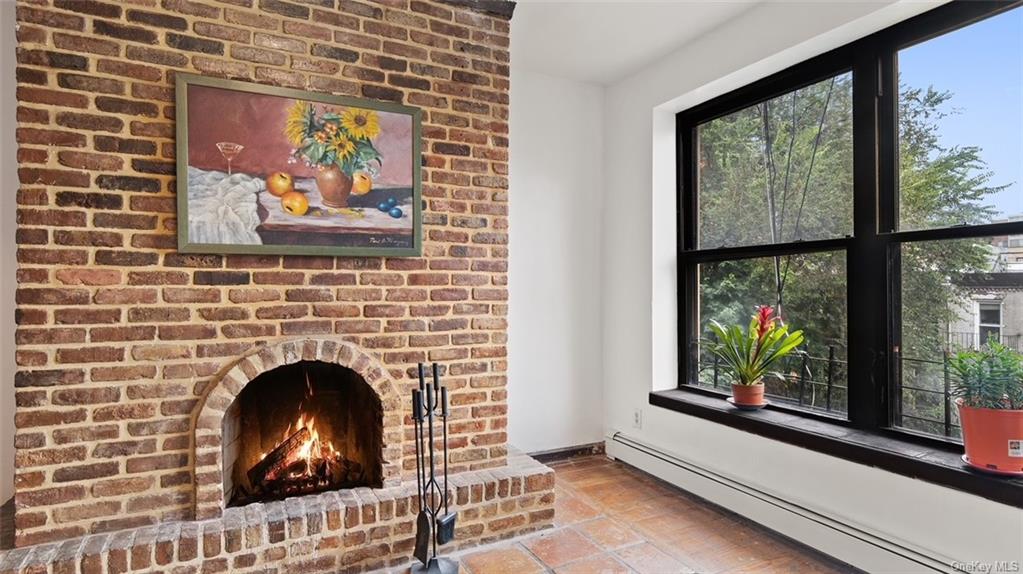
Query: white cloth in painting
column 222, row 208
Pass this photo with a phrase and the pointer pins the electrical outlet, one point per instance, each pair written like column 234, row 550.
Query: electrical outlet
column 637, row 418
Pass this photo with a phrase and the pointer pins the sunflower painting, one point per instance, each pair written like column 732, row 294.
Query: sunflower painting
column 276, row 170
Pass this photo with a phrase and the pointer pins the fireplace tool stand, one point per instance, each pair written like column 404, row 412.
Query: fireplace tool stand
column 435, row 525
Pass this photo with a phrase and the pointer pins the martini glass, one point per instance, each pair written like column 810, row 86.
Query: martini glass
column 230, row 151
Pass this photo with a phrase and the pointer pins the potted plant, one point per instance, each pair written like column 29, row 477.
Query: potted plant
column 338, row 143
column 988, row 386
column 748, row 355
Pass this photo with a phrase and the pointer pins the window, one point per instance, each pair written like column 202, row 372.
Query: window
column 961, row 120
column 989, row 324
column 874, row 195
column 778, row 171
column 947, row 306
column 815, row 299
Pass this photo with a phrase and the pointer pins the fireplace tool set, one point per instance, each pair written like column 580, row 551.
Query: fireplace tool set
column 435, row 524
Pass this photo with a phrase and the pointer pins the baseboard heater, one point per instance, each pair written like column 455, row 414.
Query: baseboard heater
column 937, row 564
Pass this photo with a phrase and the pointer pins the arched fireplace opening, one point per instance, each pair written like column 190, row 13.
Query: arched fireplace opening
column 302, row 428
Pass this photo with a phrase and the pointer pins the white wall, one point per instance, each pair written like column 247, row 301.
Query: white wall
column 639, row 310
column 8, row 190
column 554, row 268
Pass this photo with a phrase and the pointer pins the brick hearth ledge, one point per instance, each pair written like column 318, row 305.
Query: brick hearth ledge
column 350, row 530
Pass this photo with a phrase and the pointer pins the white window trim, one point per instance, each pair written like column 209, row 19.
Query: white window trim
column 978, row 303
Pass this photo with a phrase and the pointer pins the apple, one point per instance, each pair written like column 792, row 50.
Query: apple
column 294, row 203
column 279, row 183
column 362, row 184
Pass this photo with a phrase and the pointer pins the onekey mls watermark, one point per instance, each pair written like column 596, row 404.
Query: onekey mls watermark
column 986, row 567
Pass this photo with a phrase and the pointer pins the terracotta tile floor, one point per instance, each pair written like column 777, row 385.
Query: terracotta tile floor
column 611, row 518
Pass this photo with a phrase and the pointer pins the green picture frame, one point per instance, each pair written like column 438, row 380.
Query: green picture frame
column 241, row 211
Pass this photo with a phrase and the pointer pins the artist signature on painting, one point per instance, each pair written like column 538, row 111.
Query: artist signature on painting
column 388, row 241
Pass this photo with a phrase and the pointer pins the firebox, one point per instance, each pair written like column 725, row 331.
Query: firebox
column 302, row 428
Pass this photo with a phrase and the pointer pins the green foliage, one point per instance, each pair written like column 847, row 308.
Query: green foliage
column 779, row 171
column 939, row 186
column 365, row 153
column 748, row 355
column 990, row 378
column 333, row 138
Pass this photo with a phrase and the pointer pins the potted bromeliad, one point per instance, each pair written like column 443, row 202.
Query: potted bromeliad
column 988, row 386
column 749, row 354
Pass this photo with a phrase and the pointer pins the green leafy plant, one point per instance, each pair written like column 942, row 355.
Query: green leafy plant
column 990, row 377
column 333, row 137
column 749, row 355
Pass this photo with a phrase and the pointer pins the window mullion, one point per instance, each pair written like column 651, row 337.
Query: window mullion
column 766, row 250
column 889, row 393
column 686, row 217
column 959, row 232
column 868, row 272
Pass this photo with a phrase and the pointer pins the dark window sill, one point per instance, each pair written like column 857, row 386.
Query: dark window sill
column 931, row 464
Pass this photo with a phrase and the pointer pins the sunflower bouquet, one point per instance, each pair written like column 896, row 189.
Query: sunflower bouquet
column 342, row 138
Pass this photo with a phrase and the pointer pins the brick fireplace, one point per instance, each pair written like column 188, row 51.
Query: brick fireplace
column 309, row 426
column 220, row 458
column 134, row 359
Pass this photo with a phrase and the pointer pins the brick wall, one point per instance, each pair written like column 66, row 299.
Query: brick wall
column 119, row 335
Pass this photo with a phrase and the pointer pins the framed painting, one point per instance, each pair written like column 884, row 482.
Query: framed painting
column 263, row 169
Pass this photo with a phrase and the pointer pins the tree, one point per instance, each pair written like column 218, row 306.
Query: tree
column 939, row 187
column 781, row 171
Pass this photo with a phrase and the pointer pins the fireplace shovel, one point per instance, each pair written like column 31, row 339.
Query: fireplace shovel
column 423, row 522
column 422, row 551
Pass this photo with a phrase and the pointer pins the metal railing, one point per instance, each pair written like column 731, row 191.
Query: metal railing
column 965, row 340
column 804, row 380
column 923, row 398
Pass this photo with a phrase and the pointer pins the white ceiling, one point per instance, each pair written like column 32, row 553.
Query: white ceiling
column 602, row 41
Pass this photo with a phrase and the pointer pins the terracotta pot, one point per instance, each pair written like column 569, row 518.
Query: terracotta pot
column 749, row 395
column 334, row 185
column 993, row 438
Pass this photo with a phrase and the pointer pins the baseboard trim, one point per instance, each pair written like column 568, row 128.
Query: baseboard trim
column 875, row 548
column 565, row 453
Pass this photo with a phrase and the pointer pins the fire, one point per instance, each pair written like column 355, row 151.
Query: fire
column 313, row 450
column 306, row 454
column 311, row 454
column 303, row 460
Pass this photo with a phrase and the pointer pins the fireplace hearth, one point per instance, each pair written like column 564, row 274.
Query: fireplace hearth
column 302, row 428
column 350, row 406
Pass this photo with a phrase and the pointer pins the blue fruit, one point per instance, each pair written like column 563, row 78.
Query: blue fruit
column 383, row 206
column 392, row 202
column 395, row 212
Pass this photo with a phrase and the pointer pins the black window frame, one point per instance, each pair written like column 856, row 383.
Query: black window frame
column 872, row 251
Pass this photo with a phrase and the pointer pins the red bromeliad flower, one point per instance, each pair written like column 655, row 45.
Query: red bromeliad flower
column 765, row 320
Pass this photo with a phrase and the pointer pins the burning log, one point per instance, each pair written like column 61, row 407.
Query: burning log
column 279, row 458
column 295, row 470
